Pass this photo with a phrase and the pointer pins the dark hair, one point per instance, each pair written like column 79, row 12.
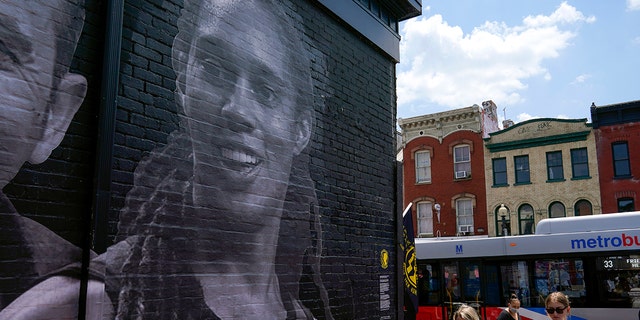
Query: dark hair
column 513, row 297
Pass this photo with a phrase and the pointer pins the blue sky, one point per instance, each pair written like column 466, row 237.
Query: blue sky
column 533, row 58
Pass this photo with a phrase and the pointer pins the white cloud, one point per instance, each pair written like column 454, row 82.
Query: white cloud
column 443, row 65
column 633, row 5
column 565, row 13
column 524, row 117
column 581, row 78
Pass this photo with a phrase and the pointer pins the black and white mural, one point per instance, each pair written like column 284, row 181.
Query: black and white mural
column 38, row 99
column 259, row 195
column 221, row 221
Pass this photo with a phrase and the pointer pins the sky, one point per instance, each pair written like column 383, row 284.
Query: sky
column 533, row 58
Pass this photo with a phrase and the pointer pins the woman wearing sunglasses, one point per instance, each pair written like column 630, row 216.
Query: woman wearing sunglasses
column 557, row 306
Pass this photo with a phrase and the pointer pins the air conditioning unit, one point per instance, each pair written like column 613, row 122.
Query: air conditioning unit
column 461, row 174
column 466, row 228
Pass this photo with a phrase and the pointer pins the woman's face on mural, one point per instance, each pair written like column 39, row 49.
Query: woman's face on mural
column 27, row 53
column 240, row 105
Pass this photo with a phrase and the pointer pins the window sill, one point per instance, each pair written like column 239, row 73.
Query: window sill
column 500, row 185
column 521, row 183
column 556, row 180
column 581, row 178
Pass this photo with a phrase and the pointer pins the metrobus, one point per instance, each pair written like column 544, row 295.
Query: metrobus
column 594, row 260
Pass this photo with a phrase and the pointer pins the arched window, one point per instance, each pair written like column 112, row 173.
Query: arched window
column 425, row 218
column 556, row 210
column 526, row 219
column 583, row 208
column 503, row 221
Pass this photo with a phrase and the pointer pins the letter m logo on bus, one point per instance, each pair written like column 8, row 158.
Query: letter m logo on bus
column 458, row 249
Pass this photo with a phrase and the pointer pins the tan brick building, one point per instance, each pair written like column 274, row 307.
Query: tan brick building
column 538, row 169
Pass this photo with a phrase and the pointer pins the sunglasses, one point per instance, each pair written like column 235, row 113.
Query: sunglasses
column 557, row 310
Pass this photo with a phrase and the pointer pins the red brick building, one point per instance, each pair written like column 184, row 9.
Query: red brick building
column 443, row 170
column 617, row 133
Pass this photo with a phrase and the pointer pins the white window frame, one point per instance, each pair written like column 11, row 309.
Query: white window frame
column 464, row 212
column 463, row 163
column 425, row 218
column 423, row 166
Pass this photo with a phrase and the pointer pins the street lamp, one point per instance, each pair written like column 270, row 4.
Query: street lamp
column 503, row 212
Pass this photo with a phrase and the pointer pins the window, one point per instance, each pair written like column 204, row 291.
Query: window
column 525, row 217
column 500, row 172
column 423, row 166
column 451, row 280
column 515, row 277
column 566, row 275
column 556, row 210
column 470, row 278
column 554, row 166
column 503, row 222
column 583, row 208
column 464, row 212
column 462, row 161
column 428, row 284
column 425, row 218
column 522, row 169
column 621, row 166
column 617, row 281
column 626, row 205
column 579, row 163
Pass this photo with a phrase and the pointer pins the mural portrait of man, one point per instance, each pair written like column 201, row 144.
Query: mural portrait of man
column 38, row 99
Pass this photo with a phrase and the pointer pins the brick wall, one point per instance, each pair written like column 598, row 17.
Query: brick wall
column 351, row 164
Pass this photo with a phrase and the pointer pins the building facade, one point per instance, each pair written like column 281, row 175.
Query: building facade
column 617, row 132
column 161, row 159
column 538, row 169
column 443, row 170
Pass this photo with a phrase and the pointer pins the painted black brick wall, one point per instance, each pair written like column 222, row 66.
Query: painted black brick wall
column 352, row 155
column 146, row 109
column 354, row 165
column 353, row 147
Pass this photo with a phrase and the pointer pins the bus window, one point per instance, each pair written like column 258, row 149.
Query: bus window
column 471, row 282
column 566, row 275
column 493, row 285
column 619, row 280
column 428, row 285
column 515, row 279
column 452, row 282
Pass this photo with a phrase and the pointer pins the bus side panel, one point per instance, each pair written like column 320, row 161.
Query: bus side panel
column 492, row 312
column 525, row 314
column 429, row 313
